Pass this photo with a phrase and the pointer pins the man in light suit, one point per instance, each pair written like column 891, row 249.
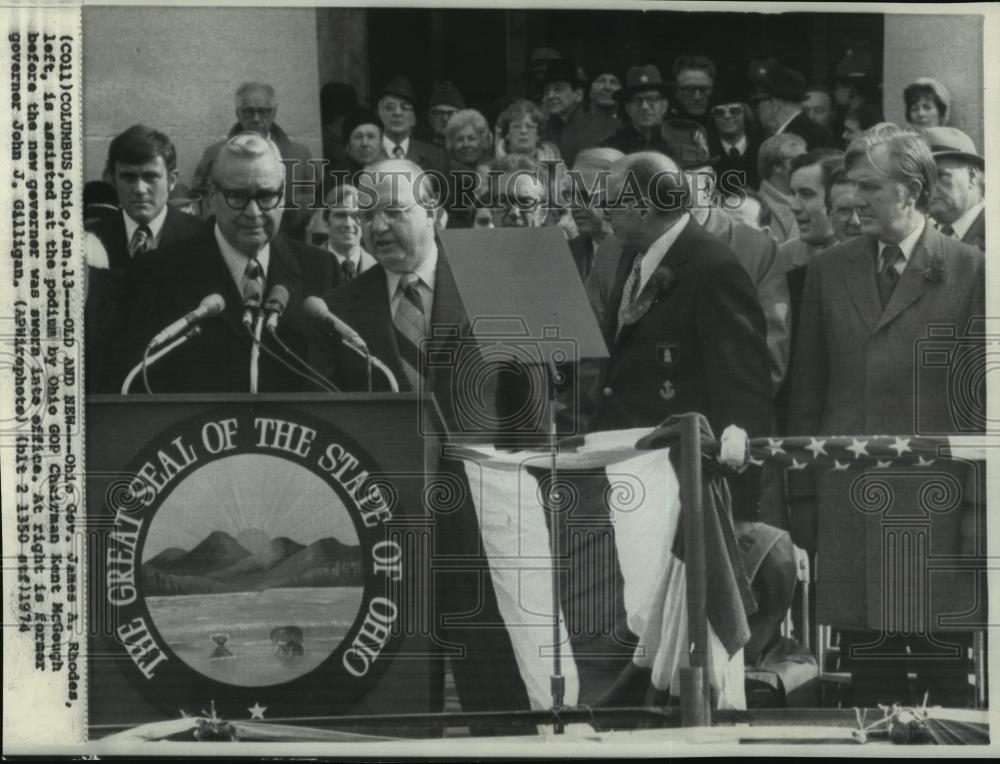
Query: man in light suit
column 142, row 166
column 236, row 252
column 868, row 306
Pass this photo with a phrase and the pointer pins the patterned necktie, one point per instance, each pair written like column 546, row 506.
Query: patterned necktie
column 410, row 324
column 253, row 279
column 947, row 230
column 140, row 241
column 630, row 293
column 887, row 276
column 397, row 151
column 348, row 269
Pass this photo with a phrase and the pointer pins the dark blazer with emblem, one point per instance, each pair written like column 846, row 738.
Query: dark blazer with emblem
column 698, row 344
column 859, row 370
column 173, row 280
column 111, row 231
column 814, row 134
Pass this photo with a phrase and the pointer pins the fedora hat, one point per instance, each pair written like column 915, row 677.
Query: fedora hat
column 400, row 87
column 771, row 79
column 641, row 78
column 952, row 142
column 563, row 70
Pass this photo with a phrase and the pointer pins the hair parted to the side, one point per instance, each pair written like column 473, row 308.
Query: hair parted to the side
column 829, row 161
column 140, row 144
column 908, row 158
column 775, row 150
column 255, row 87
column 247, row 145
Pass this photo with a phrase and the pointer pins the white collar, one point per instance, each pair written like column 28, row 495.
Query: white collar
column 786, row 123
column 740, row 145
column 361, row 259
column 907, row 245
column 389, row 144
column 964, row 223
column 658, row 250
column 426, row 271
column 236, row 261
column 155, row 226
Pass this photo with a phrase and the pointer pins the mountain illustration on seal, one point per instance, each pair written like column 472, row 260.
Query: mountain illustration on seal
column 251, row 562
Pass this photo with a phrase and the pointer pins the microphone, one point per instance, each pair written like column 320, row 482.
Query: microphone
column 277, row 301
column 316, row 309
column 251, row 303
column 212, row 305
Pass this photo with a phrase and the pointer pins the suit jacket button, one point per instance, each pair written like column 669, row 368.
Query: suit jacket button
column 607, row 392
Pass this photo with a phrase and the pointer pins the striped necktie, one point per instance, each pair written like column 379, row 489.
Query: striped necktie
column 140, row 241
column 630, row 293
column 253, row 280
column 397, row 152
column 410, row 324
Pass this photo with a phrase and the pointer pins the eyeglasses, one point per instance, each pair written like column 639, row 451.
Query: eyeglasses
column 518, row 203
column 690, row 90
column 239, row 199
column 846, row 212
column 250, row 111
column 734, row 110
column 443, row 113
column 391, row 214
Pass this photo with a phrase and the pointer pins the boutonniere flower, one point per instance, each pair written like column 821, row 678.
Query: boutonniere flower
column 662, row 279
column 935, row 272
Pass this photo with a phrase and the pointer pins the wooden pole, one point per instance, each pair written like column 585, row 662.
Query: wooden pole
column 695, row 695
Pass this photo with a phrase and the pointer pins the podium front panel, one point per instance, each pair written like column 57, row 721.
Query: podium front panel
column 262, row 556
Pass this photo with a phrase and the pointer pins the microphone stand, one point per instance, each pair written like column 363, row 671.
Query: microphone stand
column 148, row 360
column 371, row 360
column 255, row 352
column 557, row 680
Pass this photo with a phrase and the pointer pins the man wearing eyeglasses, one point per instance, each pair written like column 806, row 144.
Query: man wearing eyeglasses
column 694, row 81
column 239, row 251
column 731, row 139
column 256, row 109
column 645, row 99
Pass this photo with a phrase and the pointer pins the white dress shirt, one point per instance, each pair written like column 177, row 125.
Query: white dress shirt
column 362, row 260
column 906, row 245
column 740, row 145
column 155, row 226
column 425, row 287
column 658, row 250
column 236, row 261
column 389, row 144
column 964, row 223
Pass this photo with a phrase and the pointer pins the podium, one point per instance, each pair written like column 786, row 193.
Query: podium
column 265, row 556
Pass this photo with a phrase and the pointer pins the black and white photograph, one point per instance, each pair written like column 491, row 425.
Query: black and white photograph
column 498, row 380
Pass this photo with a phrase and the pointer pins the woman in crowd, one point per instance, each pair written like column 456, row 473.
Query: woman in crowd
column 469, row 143
column 859, row 119
column 928, row 103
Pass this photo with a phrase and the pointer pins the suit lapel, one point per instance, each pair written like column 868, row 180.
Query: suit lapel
column 371, row 315
column 860, row 281
column 217, row 274
column 625, row 263
column 913, row 282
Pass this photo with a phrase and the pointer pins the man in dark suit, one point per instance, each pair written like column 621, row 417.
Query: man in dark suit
column 778, row 93
column 397, row 110
column 958, row 205
column 684, row 325
column 237, row 253
column 569, row 126
column 408, row 311
column 731, row 139
column 869, row 304
column 142, row 166
column 644, row 97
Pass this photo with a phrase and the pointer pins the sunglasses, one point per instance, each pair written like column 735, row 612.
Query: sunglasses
column 734, row 110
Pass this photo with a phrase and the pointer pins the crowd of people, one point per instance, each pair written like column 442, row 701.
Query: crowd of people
column 767, row 253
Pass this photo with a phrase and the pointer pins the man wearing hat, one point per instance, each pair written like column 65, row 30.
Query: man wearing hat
column 778, row 93
column 957, row 203
column 730, row 139
column 445, row 101
column 645, row 99
column 397, row 109
column 569, row 126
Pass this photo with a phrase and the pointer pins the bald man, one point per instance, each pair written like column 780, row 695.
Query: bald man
column 238, row 251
